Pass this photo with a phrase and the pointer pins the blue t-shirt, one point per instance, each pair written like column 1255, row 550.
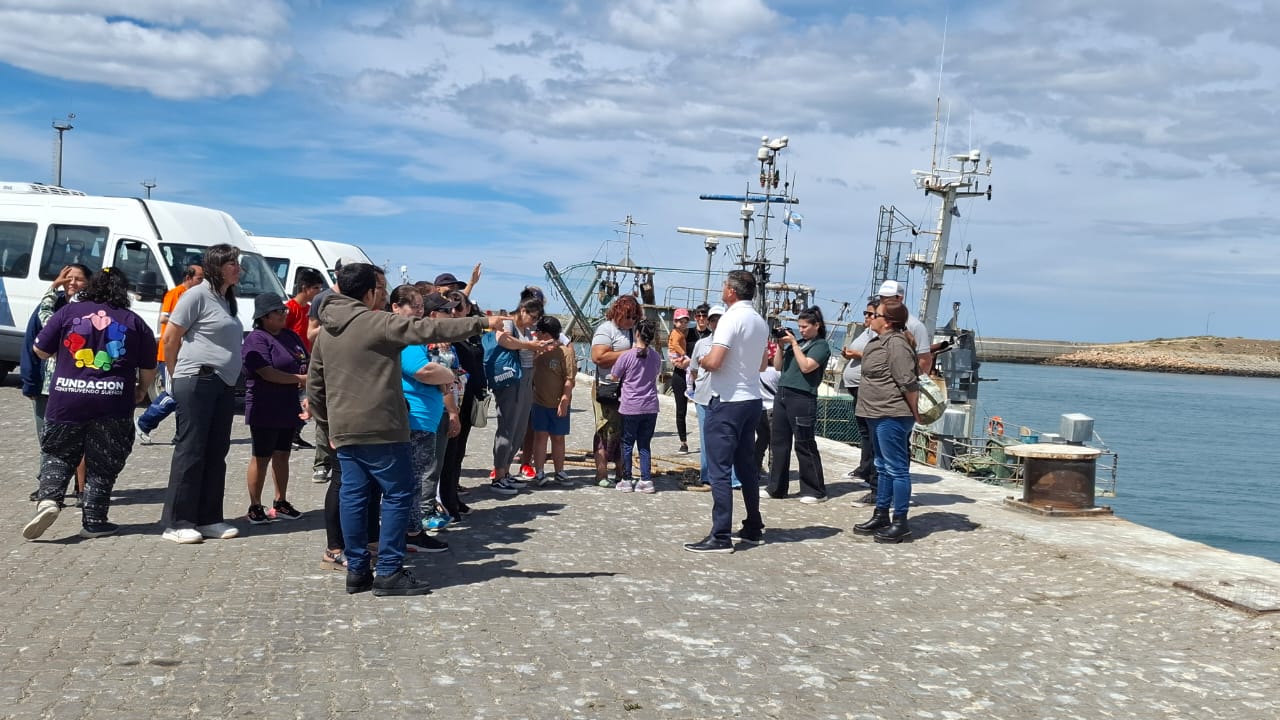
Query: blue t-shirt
column 98, row 350
column 426, row 403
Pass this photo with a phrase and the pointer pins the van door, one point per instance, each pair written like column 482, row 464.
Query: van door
column 147, row 281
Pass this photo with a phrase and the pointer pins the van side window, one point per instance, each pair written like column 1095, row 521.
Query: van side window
column 139, row 265
column 66, row 244
column 279, row 266
column 17, row 240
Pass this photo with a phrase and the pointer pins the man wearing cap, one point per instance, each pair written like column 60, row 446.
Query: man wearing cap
column 446, row 282
column 678, row 347
column 893, row 291
column 354, row 387
column 736, row 358
column 700, row 380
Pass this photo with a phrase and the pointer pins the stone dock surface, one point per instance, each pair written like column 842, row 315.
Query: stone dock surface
column 581, row 603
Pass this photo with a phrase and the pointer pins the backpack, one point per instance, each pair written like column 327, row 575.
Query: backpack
column 501, row 365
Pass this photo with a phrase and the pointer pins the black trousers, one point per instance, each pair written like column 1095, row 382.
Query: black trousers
column 454, row 451
column 794, row 413
column 198, row 471
column 764, row 436
column 867, row 445
column 680, row 385
column 104, row 444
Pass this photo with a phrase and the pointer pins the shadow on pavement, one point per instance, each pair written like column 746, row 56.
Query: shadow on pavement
column 773, row 536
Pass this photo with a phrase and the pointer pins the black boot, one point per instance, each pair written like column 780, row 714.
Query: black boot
column 879, row 519
column 896, row 533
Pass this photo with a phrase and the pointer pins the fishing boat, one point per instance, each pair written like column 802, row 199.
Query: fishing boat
column 966, row 437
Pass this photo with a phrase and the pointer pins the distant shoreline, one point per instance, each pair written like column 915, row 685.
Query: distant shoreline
column 1198, row 355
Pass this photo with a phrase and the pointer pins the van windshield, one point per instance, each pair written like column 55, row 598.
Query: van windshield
column 256, row 277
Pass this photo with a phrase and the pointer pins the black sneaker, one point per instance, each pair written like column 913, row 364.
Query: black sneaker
column 285, row 510
column 300, row 444
column 257, row 515
column 464, row 509
column 401, row 582
column 750, row 537
column 97, row 530
column 424, row 543
column 710, row 545
column 867, row 500
column 359, row 582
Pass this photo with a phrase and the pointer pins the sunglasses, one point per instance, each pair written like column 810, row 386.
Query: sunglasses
column 868, row 314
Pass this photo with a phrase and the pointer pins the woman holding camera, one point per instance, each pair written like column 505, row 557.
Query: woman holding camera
column 801, row 360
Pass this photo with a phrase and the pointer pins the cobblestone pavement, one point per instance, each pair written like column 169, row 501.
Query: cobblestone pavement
column 580, row 603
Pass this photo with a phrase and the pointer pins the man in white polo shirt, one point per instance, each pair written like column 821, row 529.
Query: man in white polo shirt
column 894, row 291
column 737, row 356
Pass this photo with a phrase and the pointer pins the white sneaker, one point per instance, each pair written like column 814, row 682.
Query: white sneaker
column 46, row 512
column 320, row 476
column 218, row 531
column 183, row 536
column 143, row 436
column 812, row 500
column 764, row 494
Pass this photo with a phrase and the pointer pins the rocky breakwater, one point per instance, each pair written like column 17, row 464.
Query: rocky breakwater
column 1195, row 355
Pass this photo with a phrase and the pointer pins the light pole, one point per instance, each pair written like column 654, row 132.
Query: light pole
column 1206, row 323
column 61, row 126
column 148, row 184
column 710, row 244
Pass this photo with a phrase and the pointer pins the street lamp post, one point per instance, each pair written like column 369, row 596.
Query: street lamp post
column 62, row 126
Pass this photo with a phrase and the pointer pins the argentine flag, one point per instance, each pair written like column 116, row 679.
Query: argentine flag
column 793, row 219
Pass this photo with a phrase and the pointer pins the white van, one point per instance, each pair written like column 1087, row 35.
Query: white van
column 286, row 256
column 43, row 228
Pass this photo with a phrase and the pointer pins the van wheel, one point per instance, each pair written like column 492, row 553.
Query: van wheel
column 6, row 368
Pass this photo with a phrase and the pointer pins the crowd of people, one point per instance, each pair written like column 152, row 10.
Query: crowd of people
column 394, row 380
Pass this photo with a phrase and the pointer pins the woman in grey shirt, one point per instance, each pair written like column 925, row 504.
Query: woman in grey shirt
column 202, row 344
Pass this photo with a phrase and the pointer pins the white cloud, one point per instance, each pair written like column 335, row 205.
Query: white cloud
column 182, row 60
column 262, row 17
column 688, row 24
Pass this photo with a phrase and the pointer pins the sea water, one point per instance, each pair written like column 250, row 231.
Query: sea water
column 1197, row 453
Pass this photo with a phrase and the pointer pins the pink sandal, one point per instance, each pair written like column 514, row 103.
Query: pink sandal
column 334, row 560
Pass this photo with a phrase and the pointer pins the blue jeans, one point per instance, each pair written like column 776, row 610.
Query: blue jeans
column 730, row 437
column 160, row 408
column 390, row 467
column 637, row 432
column 893, row 462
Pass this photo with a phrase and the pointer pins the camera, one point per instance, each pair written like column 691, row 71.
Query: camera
column 781, row 332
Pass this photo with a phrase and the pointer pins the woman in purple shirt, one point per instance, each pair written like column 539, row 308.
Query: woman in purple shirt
column 105, row 359
column 637, row 371
column 275, row 365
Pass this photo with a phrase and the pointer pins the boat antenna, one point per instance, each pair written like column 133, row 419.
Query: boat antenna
column 937, row 103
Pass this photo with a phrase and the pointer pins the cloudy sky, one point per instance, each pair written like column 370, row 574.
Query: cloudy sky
column 1136, row 165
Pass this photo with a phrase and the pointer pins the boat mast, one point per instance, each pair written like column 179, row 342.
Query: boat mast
column 770, row 179
column 950, row 185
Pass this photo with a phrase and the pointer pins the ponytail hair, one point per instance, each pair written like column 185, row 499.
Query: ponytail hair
column 813, row 315
column 646, row 331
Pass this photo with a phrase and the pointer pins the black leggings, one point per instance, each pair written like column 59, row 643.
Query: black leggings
column 104, row 444
column 679, row 385
column 451, row 472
